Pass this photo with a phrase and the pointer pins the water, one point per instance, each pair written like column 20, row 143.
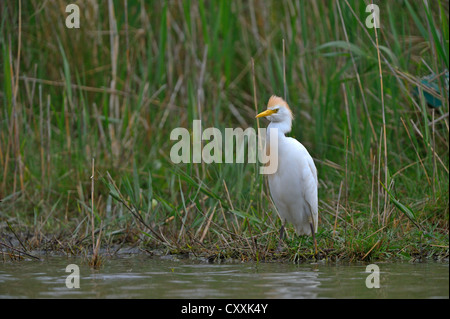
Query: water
column 154, row 277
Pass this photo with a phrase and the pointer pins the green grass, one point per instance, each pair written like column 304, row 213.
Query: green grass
column 115, row 88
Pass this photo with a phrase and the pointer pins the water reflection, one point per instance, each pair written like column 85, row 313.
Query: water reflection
column 297, row 284
column 143, row 277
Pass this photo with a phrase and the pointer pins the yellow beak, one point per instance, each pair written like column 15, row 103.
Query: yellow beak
column 266, row 113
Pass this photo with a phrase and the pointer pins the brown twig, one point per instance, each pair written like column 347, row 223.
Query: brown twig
column 19, row 251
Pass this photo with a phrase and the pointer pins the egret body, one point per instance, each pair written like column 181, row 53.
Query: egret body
column 294, row 184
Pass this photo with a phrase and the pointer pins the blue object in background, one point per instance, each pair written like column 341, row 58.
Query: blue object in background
column 431, row 82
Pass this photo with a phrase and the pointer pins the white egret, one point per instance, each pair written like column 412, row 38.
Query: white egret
column 294, row 184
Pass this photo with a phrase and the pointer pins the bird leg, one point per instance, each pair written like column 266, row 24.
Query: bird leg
column 314, row 237
column 280, row 241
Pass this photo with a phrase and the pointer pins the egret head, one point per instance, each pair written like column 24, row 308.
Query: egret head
column 277, row 110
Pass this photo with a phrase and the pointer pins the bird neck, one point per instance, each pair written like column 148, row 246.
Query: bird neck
column 279, row 129
column 282, row 127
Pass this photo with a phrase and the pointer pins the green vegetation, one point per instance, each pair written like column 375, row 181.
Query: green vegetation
column 114, row 89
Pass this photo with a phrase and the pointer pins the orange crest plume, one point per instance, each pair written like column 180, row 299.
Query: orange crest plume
column 276, row 100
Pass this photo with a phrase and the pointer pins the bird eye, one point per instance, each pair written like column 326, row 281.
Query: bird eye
column 276, row 110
